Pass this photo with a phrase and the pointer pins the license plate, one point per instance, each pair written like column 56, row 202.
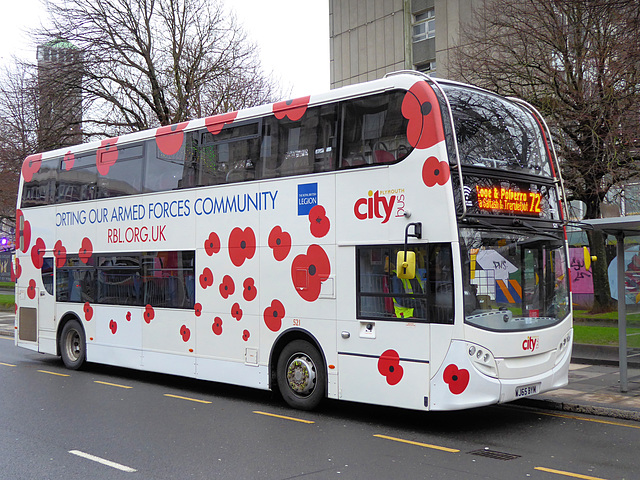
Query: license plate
column 526, row 390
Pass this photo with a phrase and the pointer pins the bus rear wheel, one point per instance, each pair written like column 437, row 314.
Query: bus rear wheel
column 301, row 375
column 73, row 345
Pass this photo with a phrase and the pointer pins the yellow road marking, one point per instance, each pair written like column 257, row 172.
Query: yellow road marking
column 111, row 384
column 568, row 474
column 54, row 373
column 186, row 398
column 426, row 445
column 7, row 364
column 6, row 337
column 575, row 417
column 284, row 417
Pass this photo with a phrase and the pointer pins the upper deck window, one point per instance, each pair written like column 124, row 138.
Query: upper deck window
column 365, row 131
column 496, row 133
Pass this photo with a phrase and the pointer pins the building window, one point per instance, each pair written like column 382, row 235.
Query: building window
column 429, row 68
column 424, row 25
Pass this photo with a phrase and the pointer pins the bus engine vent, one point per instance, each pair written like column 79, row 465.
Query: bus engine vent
column 485, row 452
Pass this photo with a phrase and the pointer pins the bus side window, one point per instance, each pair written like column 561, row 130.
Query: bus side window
column 125, row 176
column 374, row 130
column 229, row 156
column 75, row 281
column 428, row 297
column 41, row 190
column 47, row 274
column 164, row 172
column 77, row 180
column 326, row 139
column 297, row 147
column 269, row 147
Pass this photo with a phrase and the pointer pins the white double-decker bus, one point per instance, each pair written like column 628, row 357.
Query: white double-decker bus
column 398, row 242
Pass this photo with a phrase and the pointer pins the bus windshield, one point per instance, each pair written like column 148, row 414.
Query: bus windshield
column 513, row 281
column 496, row 133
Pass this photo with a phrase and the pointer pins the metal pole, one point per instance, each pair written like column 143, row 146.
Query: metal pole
column 622, row 315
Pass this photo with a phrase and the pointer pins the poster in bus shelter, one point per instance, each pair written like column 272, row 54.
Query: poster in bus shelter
column 632, row 276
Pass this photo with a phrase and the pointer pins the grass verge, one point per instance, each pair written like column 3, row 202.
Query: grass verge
column 594, row 335
column 7, row 302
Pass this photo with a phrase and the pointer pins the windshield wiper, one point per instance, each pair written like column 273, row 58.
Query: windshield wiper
column 521, row 223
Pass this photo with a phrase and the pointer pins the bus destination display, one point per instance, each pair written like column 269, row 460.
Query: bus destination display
column 498, row 199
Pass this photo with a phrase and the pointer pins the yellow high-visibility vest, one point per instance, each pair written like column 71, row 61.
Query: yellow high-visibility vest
column 400, row 311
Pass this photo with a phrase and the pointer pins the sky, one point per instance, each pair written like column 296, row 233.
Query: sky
column 292, row 37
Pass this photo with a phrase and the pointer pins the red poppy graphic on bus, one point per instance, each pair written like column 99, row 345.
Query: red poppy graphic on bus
column 37, row 253
column 456, row 378
column 169, row 138
column 88, row 311
column 68, row 160
column 217, row 122
column 86, row 250
column 31, row 289
column 217, row 326
column 185, row 333
column 309, row 271
column 107, row 155
column 206, row 278
column 273, row 315
column 389, row 367
column 113, row 326
column 149, row 314
column 23, row 231
column 227, row 287
column 212, row 244
column 292, row 109
column 250, row 291
column 236, row 311
column 128, row 316
column 242, row 245
column 245, row 335
column 435, row 172
column 30, row 166
column 319, row 222
column 280, row 243
column 198, row 309
column 420, row 106
column 60, row 253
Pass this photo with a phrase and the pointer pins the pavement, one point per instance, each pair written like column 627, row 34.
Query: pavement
column 594, row 382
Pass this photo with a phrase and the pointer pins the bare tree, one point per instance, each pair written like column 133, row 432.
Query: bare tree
column 18, row 132
column 578, row 61
column 157, row 62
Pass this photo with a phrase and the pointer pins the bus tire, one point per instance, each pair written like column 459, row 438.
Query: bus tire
column 73, row 346
column 301, row 375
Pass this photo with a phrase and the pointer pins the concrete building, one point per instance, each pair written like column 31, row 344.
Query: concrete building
column 370, row 38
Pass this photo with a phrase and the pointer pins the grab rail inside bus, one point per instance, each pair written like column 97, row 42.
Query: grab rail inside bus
column 433, row 81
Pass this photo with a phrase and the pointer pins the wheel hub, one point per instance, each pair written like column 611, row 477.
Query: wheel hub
column 301, row 375
column 73, row 346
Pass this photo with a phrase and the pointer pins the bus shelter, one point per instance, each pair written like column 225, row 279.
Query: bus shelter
column 620, row 227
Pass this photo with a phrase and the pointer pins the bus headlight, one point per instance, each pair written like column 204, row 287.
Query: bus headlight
column 482, row 359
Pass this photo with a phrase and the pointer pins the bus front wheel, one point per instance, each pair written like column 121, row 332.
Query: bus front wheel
column 73, row 345
column 301, row 375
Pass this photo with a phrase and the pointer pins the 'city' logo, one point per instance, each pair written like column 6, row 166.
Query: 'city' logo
column 531, row 343
column 374, row 206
